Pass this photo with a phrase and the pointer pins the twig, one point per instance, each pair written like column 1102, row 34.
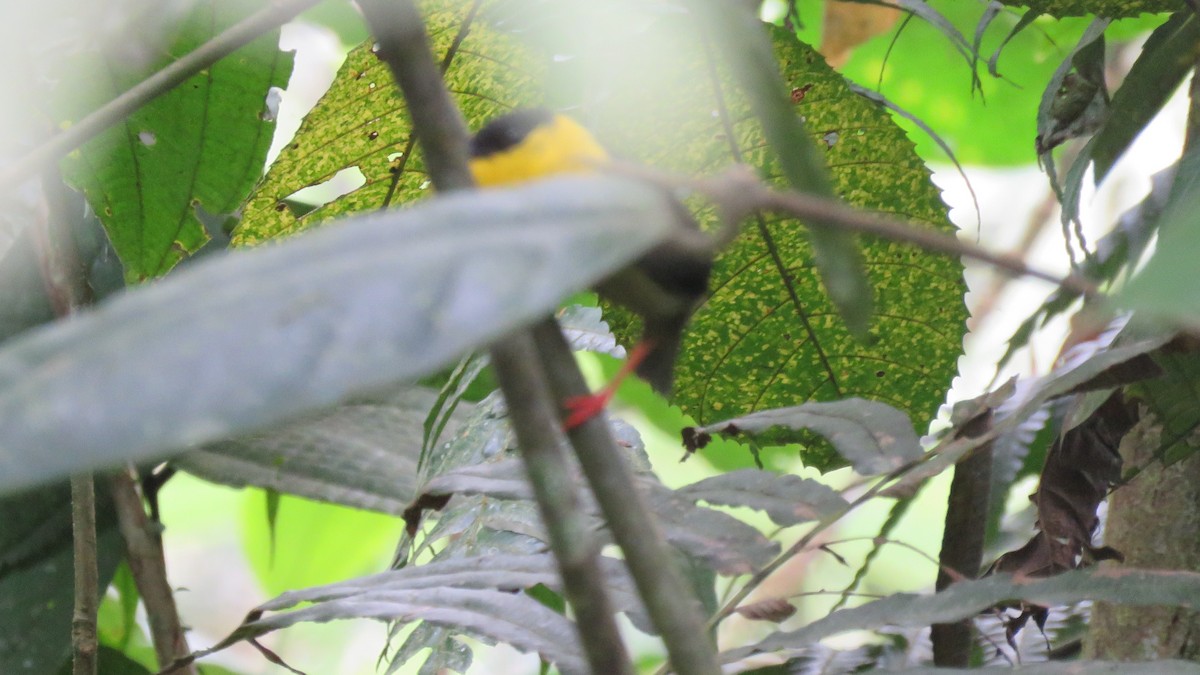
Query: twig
column 144, row 553
column 738, row 192
column 272, row 16
column 962, row 542
column 575, row 547
column 442, row 134
column 84, row 644
column 67, row 288
column 672, row 606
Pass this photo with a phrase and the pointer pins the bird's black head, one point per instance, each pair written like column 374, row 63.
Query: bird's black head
column 508, row 130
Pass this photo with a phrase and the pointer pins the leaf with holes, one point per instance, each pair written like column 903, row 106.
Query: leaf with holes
column 360, row 131
column 768, row 336
column 188, row 158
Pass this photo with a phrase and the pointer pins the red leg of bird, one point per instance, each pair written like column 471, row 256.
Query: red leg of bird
column 583, row 408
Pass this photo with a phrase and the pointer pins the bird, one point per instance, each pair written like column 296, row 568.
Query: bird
column 664, row 287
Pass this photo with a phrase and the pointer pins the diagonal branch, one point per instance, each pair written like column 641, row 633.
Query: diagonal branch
column 738, row 192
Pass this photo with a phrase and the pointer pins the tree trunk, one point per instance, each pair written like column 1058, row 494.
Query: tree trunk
column 1154, row 520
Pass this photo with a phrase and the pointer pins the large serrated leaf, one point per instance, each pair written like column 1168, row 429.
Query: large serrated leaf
column 243, row 340
column 362, row 122
column 768, row 336
column 194, row 151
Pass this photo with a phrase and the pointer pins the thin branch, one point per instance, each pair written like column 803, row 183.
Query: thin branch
column 66, row 286
column 962, row 542
column 535, row 420
column 672, row 606
column 144, row 553
column 440, row 130
column 272, row 16
column 738, row 192
column 84, row 644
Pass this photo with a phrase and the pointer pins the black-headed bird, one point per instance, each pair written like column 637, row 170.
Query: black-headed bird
column 663, row 287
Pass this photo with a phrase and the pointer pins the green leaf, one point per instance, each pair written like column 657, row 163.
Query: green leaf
column 1113, row 9
column 269, row 334
column 1167, row 287
column 768, row 336
column 193, row 152
column 361, row 124
column 875, row 438
column 111, row 661
column 37, row 575
column 1174, row 399
column 1166, row 58
column 745, row 46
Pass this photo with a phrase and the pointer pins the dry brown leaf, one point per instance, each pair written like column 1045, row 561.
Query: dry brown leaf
column 849, row 24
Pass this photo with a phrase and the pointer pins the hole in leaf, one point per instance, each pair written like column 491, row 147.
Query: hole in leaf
column 342, row 183
column 147, row 138
column 271, row 111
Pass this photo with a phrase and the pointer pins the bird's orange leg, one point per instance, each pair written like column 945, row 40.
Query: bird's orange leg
column 583, row 408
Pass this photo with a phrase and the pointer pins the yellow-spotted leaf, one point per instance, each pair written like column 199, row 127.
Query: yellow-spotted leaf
column 360, row 131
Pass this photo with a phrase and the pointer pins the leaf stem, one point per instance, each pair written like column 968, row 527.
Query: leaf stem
column 738, row 192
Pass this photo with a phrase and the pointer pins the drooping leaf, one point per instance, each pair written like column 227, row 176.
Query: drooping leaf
column 277, row 332
column 1167, row 287
column 1163, row 667
column 472, row 595
column 192, row 153
column 1166, row 58
column 361, row 124
column 723, row 542
column 787, row 499
column 873, row 437
column 1132, row 587
column 363, row 454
